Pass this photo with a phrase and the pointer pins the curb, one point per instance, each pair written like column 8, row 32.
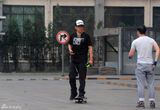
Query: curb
column 66, row 78
column 29, row 79
column 126, row 85
column 103, row 78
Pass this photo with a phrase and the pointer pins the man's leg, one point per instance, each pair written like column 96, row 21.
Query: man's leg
column 82, row 76
column 150, row 81
column 140, row 81
column 72, row 80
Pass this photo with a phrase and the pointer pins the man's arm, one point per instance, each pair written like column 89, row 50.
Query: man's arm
column 131, row 53
column 90, row 54
column 156, row 48
column 70, row 49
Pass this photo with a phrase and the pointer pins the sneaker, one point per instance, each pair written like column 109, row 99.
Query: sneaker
column 72, row 97
column 82, row 97
column 152, row 104
column 140, row 104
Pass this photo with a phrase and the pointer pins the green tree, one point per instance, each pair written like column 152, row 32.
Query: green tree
column 57, row 26
column 14, row 37
column 28, row 36
column 70, row 29
column 4, row 53
column 72, row 20
column 57, row 22
column 51, row 40
column 39, row 41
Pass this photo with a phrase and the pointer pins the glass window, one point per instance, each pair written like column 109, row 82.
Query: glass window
column 40, row 9
column 29, row 10
column 6, row 9
column 19, row 18
column 156, row 16
column 71, row 13
column 5, row 28
column 31, row 17
column 124, row 16
column 20, row 13
column 17, row 10
column 7, row 20
column 21, row 29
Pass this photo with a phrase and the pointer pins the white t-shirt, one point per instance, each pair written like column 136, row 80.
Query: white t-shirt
column 144, row 48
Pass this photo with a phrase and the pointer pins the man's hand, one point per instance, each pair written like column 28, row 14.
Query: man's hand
column 156, row 47
column 91, row 55
column 131, row 53
column 129, row 57
column 71, row 52
column 70, row 49
column 91, row 62
column 153, row 67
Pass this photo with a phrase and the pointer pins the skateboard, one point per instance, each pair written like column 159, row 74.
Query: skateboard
column 79, row 100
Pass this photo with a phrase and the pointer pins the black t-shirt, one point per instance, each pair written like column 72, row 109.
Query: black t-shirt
column 80, row 47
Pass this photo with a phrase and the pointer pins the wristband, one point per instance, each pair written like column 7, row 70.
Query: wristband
column 155, row 63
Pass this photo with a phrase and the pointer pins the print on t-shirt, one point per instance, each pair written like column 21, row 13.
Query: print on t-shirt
column 77, row 41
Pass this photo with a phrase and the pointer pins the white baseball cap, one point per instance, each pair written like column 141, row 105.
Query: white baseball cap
column 79, row 23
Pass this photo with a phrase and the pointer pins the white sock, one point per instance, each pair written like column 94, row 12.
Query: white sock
column 141, row 99
column 151, row 99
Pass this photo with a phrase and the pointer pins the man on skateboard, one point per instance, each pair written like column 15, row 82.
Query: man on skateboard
column 145, row 65
column 79, row 45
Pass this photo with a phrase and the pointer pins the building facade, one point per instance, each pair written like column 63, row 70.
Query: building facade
column 148, row 10
column 106, row 14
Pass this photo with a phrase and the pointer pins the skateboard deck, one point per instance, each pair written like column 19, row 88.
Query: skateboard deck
column 81, row 100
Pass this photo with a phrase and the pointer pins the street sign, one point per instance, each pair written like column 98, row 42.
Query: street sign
column 62, row 37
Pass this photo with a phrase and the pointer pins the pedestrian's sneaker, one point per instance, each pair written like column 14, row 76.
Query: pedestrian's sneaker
column 152, row 104
column 140, row 104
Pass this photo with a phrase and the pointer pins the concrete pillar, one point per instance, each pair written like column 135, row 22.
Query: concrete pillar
column 1, row 15
column 1, row 11
column 148, row 14
column 99, row 19
column 1, row 19
column 99, row 12
column 48, row 11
